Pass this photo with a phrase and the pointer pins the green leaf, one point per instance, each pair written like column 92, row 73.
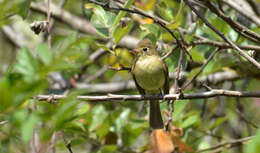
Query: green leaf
column 152, row 28
column 102, row 21
column 106, row 48
column 196, row 56
column 24, row 7
column 165, row 13
column 179, row 107
column 108, row 149
column 45, row 54
column 190, row 121
column 130, row 134
column 122, row 13
column 28, row 126
column 178, row 18
column 218, row 122
column 27, row 65
column 108, row 122
column 119, row 32
column 99, row 114
column 253, row 145
column 122, row 119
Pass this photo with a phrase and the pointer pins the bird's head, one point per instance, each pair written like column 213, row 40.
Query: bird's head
column 145, row 47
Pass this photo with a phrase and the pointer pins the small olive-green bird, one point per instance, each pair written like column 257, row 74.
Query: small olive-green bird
column 151, row 77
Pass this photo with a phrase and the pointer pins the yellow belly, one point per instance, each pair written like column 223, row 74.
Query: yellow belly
column 149, row 73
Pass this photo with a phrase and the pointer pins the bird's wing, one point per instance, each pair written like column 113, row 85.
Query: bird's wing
column 140, row 89
column 167, row 81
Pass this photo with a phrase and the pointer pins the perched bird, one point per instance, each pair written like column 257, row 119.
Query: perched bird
column 151, row 77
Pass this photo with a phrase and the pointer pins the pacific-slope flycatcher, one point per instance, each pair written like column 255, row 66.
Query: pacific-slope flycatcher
column 151, row 77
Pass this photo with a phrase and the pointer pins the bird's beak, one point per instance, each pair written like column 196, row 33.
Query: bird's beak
column 134, row 52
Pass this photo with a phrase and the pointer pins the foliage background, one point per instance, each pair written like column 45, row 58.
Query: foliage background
column 28, row 68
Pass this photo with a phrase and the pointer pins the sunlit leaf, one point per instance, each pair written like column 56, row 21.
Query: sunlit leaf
column 190, row 121
column 99, row 114
column 152, row 28
column 129, row 134
column 121, row 14
column 253, row 145
column 27, row 128
column 45, row 54
column 120, row 32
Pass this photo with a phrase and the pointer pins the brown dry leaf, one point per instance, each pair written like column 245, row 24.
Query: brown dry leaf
column 176, row 133
column 161, row 142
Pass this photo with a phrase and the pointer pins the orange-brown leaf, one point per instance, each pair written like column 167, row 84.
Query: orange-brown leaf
column 176, row 133
column 161, row 142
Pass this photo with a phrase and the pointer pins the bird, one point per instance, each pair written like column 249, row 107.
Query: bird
column 151, row 77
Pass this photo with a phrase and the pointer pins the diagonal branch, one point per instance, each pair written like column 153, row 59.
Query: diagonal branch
column 236, row 26
column 142, row 13
column 232, row 143
column 234, row 46
column 201, row 68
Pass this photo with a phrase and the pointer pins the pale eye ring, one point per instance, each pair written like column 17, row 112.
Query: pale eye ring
column 145, row 49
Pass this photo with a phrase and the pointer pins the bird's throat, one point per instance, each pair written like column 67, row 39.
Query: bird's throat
column 149, row 73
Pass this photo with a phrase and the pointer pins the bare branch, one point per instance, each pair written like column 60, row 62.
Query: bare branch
column 78, row 23
column 120, row 98
column 234, row 46
column 67, row 143
column 205, row 41
column 236, row 26
column 243, row 9
column 142, row 13
column 233, row 142
column 201, row 68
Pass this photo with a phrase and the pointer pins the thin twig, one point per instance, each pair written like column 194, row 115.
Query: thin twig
column 169, row 53
column 3, row 122
column 120, row 98
column 142, row 13
column 244, row 10
column 176, row 86
column 127, row 41
column 34, row 139
column 234, row 46
column 67, row 143
column 121, row 68
column 254, row 6
column 242, row 115
column 235, row 25
column 205, row 41
column 48, row 20
column 201, row 68
column 233, row 142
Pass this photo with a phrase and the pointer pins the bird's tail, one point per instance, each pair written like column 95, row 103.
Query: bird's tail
column 155, row 117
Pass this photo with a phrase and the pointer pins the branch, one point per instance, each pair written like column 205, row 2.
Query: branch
column 254, row 6
column 201, row 68
column 236, row 26
column 113, row 97
column 233, row 142
column 142, row 13
column 234, row 46
column 205, row 41
column 78, row 23
column 244, row 10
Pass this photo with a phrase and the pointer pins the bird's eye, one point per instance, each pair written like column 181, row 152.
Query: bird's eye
column 145, row 49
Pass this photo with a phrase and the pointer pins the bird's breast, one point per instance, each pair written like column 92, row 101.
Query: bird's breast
column 149, row 73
